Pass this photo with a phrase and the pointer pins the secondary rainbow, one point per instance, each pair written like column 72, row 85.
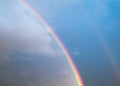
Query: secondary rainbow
column 68, row 57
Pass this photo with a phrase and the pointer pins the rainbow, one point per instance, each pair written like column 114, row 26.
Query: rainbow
column 68, row 57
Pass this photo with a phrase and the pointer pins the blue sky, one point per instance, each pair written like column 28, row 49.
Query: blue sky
column 92, row 29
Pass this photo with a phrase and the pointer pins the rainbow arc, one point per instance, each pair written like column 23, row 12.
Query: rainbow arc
column 54, row 35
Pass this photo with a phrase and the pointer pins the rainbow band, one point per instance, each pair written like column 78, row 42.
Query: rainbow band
column 68, row 57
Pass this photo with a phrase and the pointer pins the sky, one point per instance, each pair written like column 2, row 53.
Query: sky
column 90, row 31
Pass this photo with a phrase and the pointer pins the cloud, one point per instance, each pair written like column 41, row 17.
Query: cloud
column 19, row 30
